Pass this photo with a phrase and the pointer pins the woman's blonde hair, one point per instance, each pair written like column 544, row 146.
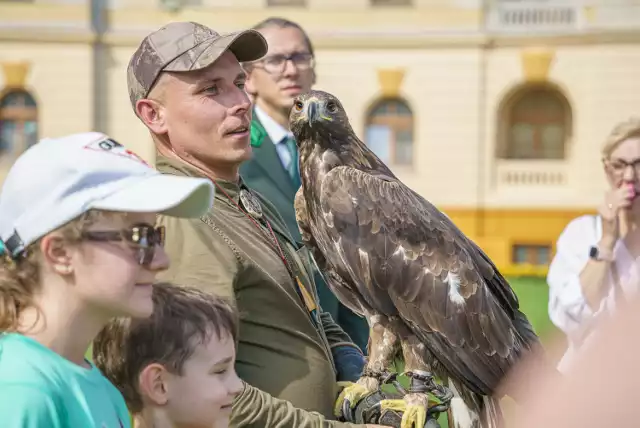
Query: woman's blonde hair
column 20, row 277
column 629, row 128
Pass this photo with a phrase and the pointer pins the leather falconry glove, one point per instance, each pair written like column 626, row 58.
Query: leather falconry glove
column 377, row 408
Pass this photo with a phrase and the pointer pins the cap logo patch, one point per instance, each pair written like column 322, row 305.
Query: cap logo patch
column 113, row 147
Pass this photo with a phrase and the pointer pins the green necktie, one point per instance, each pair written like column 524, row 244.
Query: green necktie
column 293, row 167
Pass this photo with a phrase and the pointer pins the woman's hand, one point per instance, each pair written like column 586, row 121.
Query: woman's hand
column 614, row 201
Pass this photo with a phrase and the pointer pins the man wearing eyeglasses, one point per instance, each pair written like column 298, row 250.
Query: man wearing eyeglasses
column 274, row 81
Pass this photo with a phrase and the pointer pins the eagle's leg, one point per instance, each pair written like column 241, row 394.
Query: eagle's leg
column 384, row 345
column 415, row 405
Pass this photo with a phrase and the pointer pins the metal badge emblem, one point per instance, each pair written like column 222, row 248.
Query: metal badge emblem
column 250, row 203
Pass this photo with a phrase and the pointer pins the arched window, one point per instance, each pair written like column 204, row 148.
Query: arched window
column 536, row 124
column 390, row 131
column 18, row 122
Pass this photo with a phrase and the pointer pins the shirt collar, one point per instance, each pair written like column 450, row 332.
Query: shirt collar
column 275, row 131
column 179, row 167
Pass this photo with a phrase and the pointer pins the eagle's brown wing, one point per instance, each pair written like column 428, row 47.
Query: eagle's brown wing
column 386, row 239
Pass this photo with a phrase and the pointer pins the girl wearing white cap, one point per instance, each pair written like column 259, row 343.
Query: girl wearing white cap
column 77, row 219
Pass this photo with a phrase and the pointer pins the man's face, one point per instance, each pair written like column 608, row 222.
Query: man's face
column 206, row 113
column 275, row 80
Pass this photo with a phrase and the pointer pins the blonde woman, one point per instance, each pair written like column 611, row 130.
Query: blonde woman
column 77, row 220
column 595, row 269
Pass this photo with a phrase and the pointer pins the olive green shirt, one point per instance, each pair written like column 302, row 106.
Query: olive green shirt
column 284, row 357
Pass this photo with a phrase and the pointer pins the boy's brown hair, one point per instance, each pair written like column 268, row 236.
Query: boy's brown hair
column 182, row 319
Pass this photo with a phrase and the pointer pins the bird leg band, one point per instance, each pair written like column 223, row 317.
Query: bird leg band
column 383, row 376
column 424, row 382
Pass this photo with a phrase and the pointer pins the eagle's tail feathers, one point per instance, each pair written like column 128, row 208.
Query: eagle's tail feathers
column 491, row 413
column 463, row 413
column 470, row 410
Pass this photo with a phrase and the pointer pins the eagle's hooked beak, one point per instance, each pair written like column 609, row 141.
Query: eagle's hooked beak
column 312, row 111
column 315, row 111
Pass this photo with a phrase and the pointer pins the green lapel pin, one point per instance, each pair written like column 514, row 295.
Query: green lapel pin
column 258, row 133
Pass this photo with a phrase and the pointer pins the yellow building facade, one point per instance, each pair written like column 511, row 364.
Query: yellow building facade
column 493, row 110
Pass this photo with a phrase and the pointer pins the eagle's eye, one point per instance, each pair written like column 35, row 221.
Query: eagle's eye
column 331, row 107
column 299, row 105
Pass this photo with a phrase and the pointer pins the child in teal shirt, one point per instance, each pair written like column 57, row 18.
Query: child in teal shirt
column 77, row 222
column 40, row 388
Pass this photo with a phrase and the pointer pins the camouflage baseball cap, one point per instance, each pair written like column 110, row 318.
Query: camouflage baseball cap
column 186, row 46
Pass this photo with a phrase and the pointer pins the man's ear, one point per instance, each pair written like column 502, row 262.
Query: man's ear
column 56, row 253
column 153, row 384
column 249, row 84
column 152, row 114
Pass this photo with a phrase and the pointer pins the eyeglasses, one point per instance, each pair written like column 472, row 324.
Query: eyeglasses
column 142, row 237
column 619, row 166
column 275, row 64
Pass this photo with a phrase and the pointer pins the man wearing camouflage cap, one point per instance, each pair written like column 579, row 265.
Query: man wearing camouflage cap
column 187, row 86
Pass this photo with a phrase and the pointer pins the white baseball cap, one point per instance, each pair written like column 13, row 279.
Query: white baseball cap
column 57, row 180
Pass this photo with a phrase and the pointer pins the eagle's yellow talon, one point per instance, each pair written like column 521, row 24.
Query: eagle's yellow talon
column 413, row 415
column 397, row 405
column 353, row 392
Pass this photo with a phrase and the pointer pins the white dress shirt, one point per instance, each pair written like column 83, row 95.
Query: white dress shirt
column 277, row 133
column 568, row 308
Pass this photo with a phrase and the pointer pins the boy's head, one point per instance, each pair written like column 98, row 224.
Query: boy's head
column 179, row 362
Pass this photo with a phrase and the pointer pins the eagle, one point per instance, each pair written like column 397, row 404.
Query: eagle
column 427, row 290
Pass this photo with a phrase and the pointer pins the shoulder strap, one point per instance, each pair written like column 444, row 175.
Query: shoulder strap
column 206, row 219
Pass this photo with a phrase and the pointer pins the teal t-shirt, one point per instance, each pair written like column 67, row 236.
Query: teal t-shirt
column 40, row 388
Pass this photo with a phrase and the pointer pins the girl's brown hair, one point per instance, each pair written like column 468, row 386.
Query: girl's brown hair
column 20, row 277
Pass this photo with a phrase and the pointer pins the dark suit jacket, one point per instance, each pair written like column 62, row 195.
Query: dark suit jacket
column 265, row 173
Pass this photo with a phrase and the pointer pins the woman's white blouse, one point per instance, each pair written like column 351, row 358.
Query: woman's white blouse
column 568, row 308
